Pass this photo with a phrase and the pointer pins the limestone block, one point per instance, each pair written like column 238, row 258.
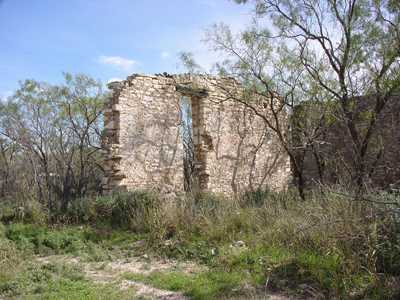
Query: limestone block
column 232, row 153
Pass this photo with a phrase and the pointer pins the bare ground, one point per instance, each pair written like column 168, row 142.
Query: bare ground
column 110, row 272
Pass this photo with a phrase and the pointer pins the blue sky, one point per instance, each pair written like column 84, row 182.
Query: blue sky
column 106, row 39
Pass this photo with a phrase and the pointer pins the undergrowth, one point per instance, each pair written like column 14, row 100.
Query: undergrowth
column 94, row 244
column 202, row 286
column 56, row 281
column 328, row 244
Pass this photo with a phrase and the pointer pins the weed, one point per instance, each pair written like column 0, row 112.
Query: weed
column 22, row 211
column 326, row 243
column 10, row 263
column 58, row 281
column 93, row 244
column 207, row 285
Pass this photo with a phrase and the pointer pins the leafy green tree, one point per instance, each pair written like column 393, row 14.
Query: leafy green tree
column 57, row 131
column 318, row 51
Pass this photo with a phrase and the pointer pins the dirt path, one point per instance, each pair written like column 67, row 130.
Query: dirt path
column 111, row 272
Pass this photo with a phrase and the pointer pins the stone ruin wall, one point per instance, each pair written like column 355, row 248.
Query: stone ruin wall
column 234, row 152
column 337, row 157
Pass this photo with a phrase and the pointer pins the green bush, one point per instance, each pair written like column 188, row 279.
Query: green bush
column 43, row 240
column 138, row 211
column 22, row 211
column 81, row 211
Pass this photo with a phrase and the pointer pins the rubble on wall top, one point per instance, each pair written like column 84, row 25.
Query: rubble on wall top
column 190, row 91
column 117, row 85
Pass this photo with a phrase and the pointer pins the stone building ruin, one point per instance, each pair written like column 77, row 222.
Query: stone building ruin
column 184, row 132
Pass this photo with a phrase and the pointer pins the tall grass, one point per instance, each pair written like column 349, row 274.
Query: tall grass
column 330, row 242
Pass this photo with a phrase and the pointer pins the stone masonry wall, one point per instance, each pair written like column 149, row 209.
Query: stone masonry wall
column 234, row 151
column 336, row 153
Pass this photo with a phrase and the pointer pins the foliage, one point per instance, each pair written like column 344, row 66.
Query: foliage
column 189, row 62
column 329, row 236
column 138, row 211
column 325, row 243
column 89, row 243
column 22, row 211
column 50, row 137
column 10, row 260
column 328, row 244
column 299, row 57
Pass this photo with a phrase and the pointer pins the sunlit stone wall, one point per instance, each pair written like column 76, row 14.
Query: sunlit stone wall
column 234, row 151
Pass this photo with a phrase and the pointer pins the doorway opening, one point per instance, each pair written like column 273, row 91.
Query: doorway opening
column 188, row 143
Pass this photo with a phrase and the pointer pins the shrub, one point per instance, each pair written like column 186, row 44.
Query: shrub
column 137, row 210
column 336, row 242
column 37, row 239
column 81, row 211
column 10, row 261
column 388, row 247
column 329, row 241
column 22, row 211
column 255, row 198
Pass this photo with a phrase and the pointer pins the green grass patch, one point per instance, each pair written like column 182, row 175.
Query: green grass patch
column 57, row 281
column 284, row 269
column 94, row 244
column 325, row 242
column 207, row 285
column 81, row 289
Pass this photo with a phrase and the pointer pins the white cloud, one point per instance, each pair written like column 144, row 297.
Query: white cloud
column 165, row 54
column 4, row 95
column 122, row 63
column 114, row 80
column 191, row 39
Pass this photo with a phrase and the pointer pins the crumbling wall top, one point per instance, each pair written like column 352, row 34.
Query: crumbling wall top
column 184, row 78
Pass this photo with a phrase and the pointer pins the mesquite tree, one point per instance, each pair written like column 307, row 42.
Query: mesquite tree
column 332, row 53
column 56, row 131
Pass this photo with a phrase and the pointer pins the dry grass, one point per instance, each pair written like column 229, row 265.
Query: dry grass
column 328, row 244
